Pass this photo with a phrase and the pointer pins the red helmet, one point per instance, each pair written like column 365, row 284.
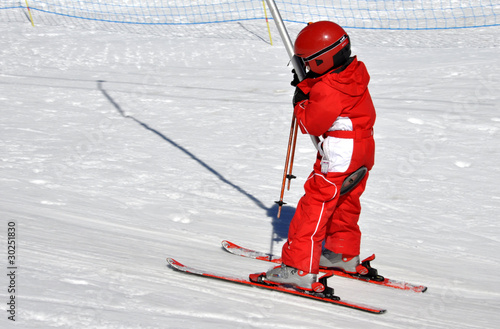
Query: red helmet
column 323, row 46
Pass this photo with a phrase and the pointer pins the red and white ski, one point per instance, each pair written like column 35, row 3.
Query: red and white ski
column 245, row 252
column 323, row 297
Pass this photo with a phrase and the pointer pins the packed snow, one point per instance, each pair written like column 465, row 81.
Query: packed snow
column 120, row 148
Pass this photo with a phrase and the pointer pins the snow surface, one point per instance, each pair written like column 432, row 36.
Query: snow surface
column 120, row 149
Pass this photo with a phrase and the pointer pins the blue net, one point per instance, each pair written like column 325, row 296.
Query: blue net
column 367, row 14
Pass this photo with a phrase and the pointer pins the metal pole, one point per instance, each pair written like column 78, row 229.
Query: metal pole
column 296, row 62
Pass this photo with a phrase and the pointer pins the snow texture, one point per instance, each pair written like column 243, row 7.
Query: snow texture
column 119, row 149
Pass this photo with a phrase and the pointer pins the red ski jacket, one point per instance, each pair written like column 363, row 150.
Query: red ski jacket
column 340, row 101
column 334, row 95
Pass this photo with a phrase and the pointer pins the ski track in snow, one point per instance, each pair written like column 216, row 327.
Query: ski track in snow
column 121, row 149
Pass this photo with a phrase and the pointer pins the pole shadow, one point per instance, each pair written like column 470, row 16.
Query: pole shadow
column 279, row 225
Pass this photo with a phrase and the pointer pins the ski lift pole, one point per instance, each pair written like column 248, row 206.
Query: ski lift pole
column 298, row 65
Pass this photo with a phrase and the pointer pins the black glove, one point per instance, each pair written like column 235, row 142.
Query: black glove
column 309, row 75
column 295, row 80
column 299, row 96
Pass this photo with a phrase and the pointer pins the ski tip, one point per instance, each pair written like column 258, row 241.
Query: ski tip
column 173, row 262
column 228, row 245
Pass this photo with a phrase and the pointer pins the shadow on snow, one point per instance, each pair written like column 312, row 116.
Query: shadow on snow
column 280, row 225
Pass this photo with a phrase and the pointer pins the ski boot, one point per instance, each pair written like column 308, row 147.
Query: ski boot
column 350, row 265
column 284, row 275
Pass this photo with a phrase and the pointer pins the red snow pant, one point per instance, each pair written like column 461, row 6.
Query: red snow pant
column 323, row 215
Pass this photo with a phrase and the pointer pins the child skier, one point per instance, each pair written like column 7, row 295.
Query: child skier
column 333, row 102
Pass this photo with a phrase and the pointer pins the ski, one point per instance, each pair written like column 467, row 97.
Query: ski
column 396, row 284
column 255, row 281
